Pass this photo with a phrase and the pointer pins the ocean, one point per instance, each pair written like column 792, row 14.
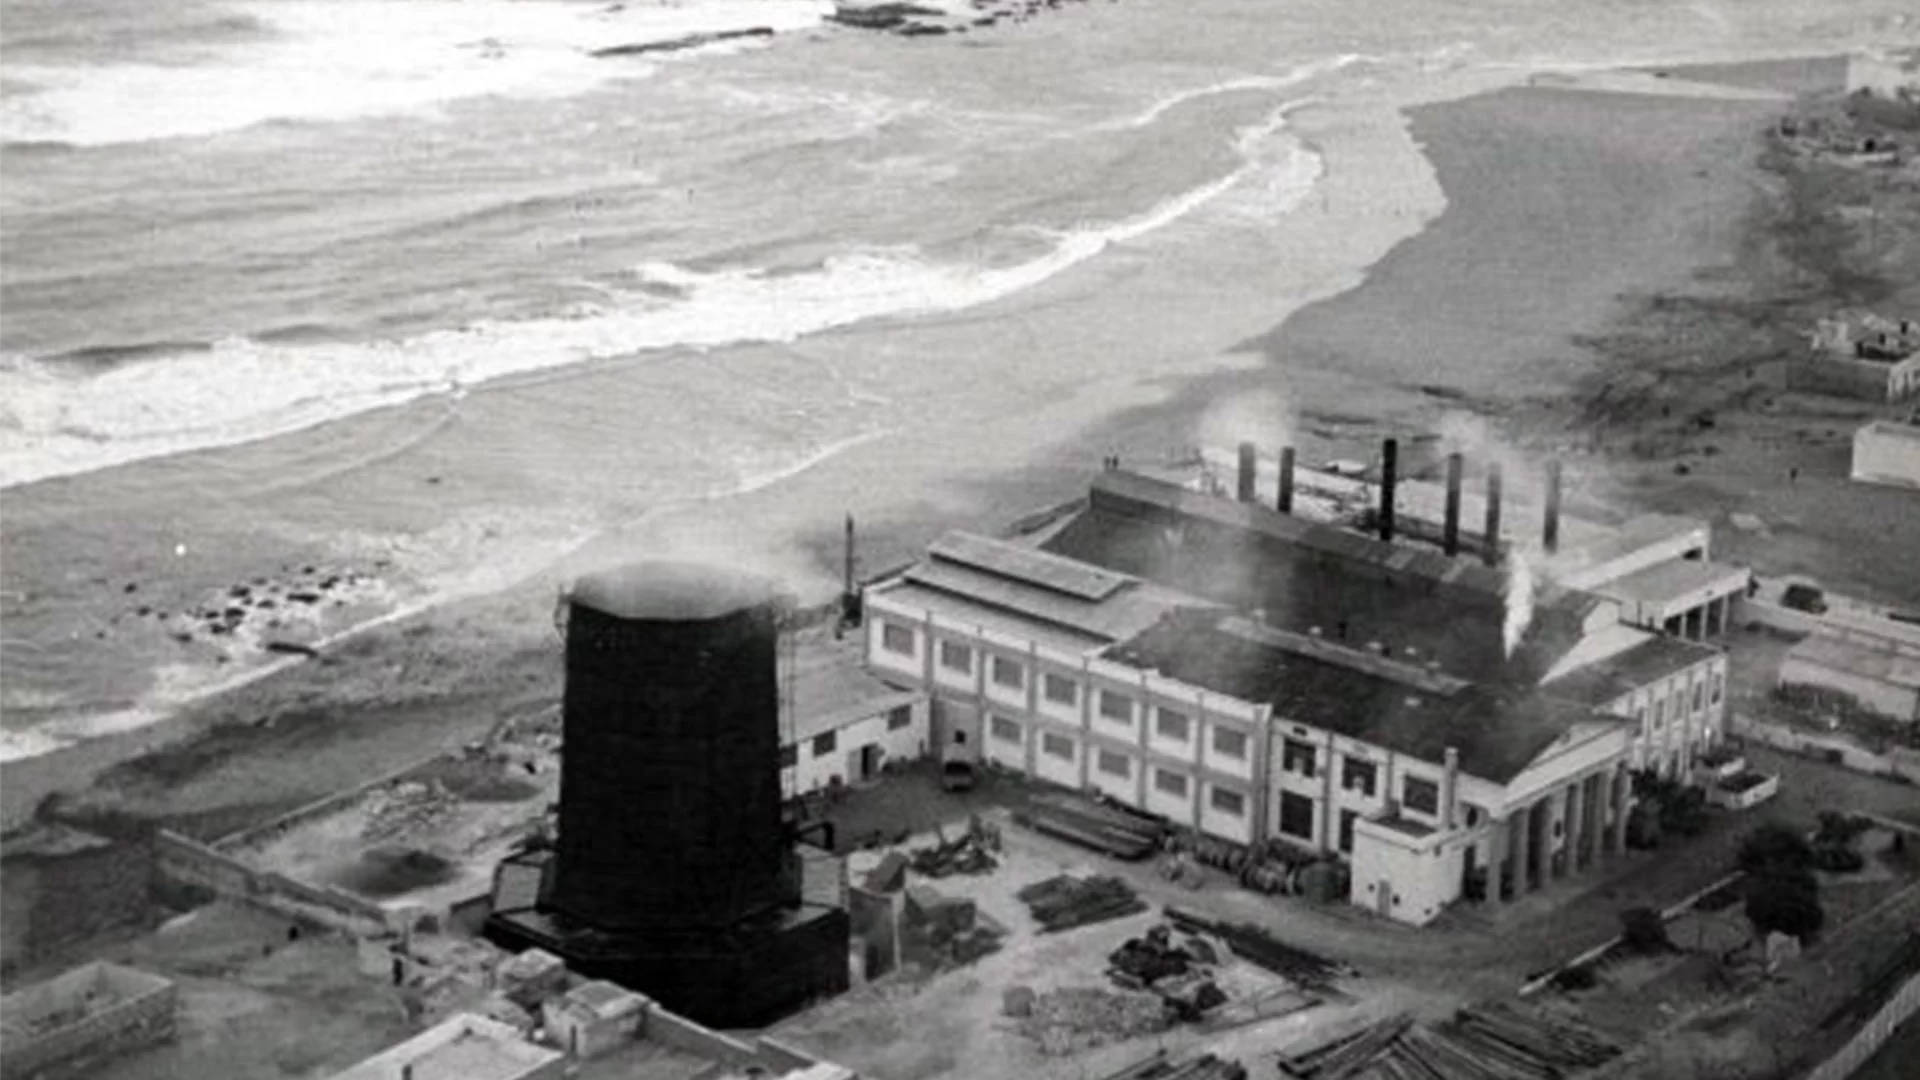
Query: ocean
column 313, row 312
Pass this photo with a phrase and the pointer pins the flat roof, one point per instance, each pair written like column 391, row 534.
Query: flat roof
column 463, row 1045
column 1496, row 735
column 1027, row 565
column 953, row 608
column 1891, row 429
column 1677, row 579
column 1886, row 663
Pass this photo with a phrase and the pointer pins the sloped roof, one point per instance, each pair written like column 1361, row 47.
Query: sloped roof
column 1301, row 574
column 1497, row 735
column 1609, row 679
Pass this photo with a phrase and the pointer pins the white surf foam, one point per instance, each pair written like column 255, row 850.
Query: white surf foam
column 1163, row 105
column 347, row 59
column 240, row 390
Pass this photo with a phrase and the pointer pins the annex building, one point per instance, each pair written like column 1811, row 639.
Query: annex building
column 1267, row 679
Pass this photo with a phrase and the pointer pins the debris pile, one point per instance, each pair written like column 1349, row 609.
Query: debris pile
column 939, row 931
column 405, row 806
column 970, row 853
column 1064, row 902
column 1103, row 826
column 1482, row 1041
column 1072, row 1019
column 1256, row 946
column 1178, row 974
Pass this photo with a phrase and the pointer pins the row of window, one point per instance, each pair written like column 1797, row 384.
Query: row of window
column 1674, row 702
column 1116, row 764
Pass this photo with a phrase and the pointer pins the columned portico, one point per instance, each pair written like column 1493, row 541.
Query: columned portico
column 1576, row 824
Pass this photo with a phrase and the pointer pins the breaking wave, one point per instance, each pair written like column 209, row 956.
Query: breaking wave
column 349, row 59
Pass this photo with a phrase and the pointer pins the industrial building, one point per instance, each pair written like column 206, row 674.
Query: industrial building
column 1887, row 452
column 1263, row 678
column 674, row 872
column 1881, row 673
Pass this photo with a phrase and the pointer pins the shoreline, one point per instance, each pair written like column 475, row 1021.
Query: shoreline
column 987, row 489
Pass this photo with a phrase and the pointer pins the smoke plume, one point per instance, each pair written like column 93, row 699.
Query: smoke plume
column 1519, row 600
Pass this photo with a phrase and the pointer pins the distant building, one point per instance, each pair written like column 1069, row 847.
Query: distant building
column 1887, row 452
column 1860, row 356
column 1880, row 674
column 1887, row 73
column 1261, row 678
column 465, row 1046
column 81, row 1018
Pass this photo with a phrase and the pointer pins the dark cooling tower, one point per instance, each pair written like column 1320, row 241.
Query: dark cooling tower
column 674, row 873
column 670, row 786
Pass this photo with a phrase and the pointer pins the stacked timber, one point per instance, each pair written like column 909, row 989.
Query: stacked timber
column 1161, row 1066
column 1064, row 902
column 1482, row 1042
column 1104, row 827
column 1256, row 946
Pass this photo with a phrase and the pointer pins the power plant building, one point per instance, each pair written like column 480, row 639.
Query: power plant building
column 1262, row 678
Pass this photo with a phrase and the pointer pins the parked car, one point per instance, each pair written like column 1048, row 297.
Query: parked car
column 1805, row 598
column 956, row 774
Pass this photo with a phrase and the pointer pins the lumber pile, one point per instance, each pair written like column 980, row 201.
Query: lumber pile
column 1481, row 1042
column 1256, row 946
column 1104, row 827
column 1064, row 902
column 1161, row 1066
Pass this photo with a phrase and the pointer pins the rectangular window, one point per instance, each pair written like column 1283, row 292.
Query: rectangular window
column 1358, row 775
column 1170, row 782
column 1172, row 725
column 824, row 743
column 1296, row 815
column 1008, row 673
column 1640, row 719
column 1421, row 795
column 956, row 657
column 1660, row 714
column 1116, row 706
column 1230, row 743
column 896, row 638
column 1115, row 764
column 1297, row 756
column 1005, row 730
column 1699, row 695
column 789, row 756
column 1719, row 686
column 1228, row 802
column 1057, row 746
column 1059, row 689
column 899, row 718
column 1347, row 818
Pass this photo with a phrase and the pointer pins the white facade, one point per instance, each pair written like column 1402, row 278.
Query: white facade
column 1887, row 452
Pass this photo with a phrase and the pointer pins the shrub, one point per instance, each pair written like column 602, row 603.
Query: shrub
column 1785, row 901
column 1774, row 848
column 1837, row 859
column 1643, row 930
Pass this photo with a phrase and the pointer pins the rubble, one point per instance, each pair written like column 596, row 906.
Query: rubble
column 405, row 806
column 1071, row 1019
column 970, row 853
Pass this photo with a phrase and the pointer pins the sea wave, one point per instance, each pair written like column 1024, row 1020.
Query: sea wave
column 238, row 390
column 350, row 59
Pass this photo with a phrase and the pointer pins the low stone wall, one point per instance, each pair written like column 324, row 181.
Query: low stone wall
column 145, row 1014
column 189, row 862
column 267, row 831
column 1897, row 763
column 1904, row 1005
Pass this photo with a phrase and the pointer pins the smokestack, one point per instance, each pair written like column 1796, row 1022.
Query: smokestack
column 1551, row 539
column 1450, row 793
column 1492, row 552
column 1451, row 536
column 1245, row 493
column 1389, row 466
column 849, row 593
column 1286, row 480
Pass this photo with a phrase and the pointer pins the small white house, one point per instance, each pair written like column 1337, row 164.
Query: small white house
column 841, row 724
column 1887, row 452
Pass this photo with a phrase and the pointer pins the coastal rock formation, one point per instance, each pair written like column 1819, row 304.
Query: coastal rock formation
column 916, row 20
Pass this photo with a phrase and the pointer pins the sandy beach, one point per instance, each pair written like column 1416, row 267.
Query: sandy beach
column 1565, row 209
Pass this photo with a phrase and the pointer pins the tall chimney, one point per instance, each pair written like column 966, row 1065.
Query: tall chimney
column 1492, row 552
column 1450, row 791
column 1245, row 492
column 1286, row 480
column 1389, row 467
column 849, row 591
column 1551, row 539
column 1451, row 536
